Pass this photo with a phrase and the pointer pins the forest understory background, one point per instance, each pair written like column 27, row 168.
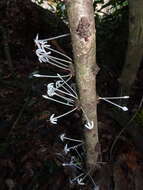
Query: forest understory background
column 28, row 142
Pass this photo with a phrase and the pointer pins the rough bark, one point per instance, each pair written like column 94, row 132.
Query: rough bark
column 82, row 27
column 135, row 45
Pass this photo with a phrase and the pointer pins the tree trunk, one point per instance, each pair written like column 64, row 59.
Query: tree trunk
column 135, row 45
column 82, row 27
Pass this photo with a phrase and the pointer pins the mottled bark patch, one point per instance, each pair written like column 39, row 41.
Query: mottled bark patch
column 83, row 28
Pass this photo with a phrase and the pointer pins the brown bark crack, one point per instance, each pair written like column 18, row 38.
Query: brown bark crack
column 83, row 28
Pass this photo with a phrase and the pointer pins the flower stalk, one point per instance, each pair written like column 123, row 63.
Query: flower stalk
column 63, row 137
column 124, row 108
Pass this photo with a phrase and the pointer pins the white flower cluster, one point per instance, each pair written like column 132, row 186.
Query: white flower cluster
column 44, row 53
column 61, row 92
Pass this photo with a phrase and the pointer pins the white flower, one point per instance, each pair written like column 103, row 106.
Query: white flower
column 124, row 108
column 51, row 89
column 80, row 181
column 71, row 181
column 64, row 95
column 76, row 179
column 44, row 52
column 62, row 136
column 53, row 119
column 89, row 125
column 66, row 149
column 59, row 83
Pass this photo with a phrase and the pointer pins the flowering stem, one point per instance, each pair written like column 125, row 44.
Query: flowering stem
column 68, row 164
column 72, row 139
column 59, row 53
column 66, row 113
column 114, row 98
column 74, row 147
column 65, row 98
column 54, row 59
column 56, row 37
column 49, row 76
column 61, row 59
column 92, row 180
column 121, row 107
column 85, row 114
column 78, row 177
column 69, row 94
column 47, row 97
column 78, row 154
column 58, row 65
column 67, row 85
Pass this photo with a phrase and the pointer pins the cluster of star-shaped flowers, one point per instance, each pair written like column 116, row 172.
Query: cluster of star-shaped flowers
column 67, row 149
column 44, row 53
column 60, row 91
column 76, row 161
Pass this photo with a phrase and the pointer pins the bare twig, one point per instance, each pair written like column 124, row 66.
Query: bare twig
column 19, row 115
column 6, row 48
column 124, row 128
